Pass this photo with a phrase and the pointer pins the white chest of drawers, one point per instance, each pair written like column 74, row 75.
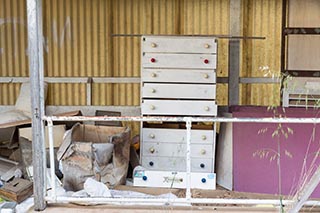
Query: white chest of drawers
column 178, row 78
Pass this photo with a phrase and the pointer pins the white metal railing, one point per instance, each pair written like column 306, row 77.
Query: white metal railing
column 188, row 199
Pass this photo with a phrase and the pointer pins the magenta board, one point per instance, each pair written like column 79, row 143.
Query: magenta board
column 254, row 165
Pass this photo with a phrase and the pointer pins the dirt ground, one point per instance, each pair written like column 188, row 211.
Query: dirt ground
column 219, row 193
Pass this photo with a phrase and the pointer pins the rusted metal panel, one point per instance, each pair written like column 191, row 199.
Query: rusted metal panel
column 79, row 43
column 261, row 58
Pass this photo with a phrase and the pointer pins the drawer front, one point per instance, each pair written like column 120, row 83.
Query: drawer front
column 177, row 135
column 168, row 179
column 179, row 44
column 179, row 76
column 176, row 150
column 181, row 91
column 172, row 107
column 188, row 61
column 177, row 164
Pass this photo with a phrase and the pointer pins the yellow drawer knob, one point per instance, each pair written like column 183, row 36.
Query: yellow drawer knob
column 206, row 76
column 153, row 90
column 152, row 135
column 206, row 108
column 204, row 137
column 153, row 45
column 152, row 107
column 152, row 150
column 203, row 152
column 153, row 75
column 206, row 46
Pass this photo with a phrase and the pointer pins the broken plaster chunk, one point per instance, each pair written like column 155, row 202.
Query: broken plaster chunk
column 96, row 189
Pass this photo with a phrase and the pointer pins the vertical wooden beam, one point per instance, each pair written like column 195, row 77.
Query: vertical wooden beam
column 35, row 38
column 234, row 53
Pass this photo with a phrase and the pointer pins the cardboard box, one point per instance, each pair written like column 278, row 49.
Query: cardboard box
column 100, row 152
column 58, row 133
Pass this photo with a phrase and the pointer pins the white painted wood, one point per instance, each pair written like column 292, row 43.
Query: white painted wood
column 176, row 150
column 224, row 155
column 187, row 61
column 177, row 135
column 173, row 179
column 179, row 76
column 177, row 164
column 178, row 44
column 173, row 107
column 179, row 91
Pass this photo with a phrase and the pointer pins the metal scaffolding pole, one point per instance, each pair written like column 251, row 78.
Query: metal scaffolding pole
column 34, row 16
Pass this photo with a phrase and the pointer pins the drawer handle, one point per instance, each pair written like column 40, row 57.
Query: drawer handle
column 151, row 163
column 153, row 75
column 153, row 45
column 153, row 90
column 172, row 179
column 206, row 61
column 206, row 108
column 153, row 60
column 203, row 180
column 202, row 165
column 206, row 76
column 204, row 137
column 206, row 46
column 152, row 136
column 152, row 150
column 144, row 178
column 152, row 107
column 203, row 151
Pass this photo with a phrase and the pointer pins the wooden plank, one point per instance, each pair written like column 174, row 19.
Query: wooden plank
column 304, row 13
column 35, row 47
column 304, row 52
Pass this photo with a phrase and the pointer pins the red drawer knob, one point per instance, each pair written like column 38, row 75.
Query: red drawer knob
column 206, row 61
column 153, row 60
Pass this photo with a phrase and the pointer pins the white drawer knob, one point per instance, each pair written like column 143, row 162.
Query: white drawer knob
column 153, row 45
column 206, row 108
column 152, row 136
column 203, row 152
column 204, row 137
column 153, row 75
column 206, row 46
column 152, row 107
column 153, row 90
column 152, row 150
column 206, row 76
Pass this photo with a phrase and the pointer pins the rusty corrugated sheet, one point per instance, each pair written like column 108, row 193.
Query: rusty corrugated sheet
column 261, row 18
column 13, row 45
column 79, row 42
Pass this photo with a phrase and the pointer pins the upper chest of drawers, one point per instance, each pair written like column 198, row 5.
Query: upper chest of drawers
column 179, row 53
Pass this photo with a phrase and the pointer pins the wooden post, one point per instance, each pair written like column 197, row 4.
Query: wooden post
column 35, row 48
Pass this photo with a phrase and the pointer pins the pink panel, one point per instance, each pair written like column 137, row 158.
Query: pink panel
column 260, row 175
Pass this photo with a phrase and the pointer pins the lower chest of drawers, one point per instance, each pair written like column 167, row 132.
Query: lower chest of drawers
column 165, row 149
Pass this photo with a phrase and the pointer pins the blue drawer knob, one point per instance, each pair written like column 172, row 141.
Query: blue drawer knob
column 203, row 180
column 151, row 163
column 202, row 165
column 144, row 178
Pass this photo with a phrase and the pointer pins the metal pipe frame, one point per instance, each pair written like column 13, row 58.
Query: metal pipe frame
column 156, row 201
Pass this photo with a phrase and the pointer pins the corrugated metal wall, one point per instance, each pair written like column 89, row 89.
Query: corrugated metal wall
column 261, row 18
column 79, row 42
column 13, row 45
